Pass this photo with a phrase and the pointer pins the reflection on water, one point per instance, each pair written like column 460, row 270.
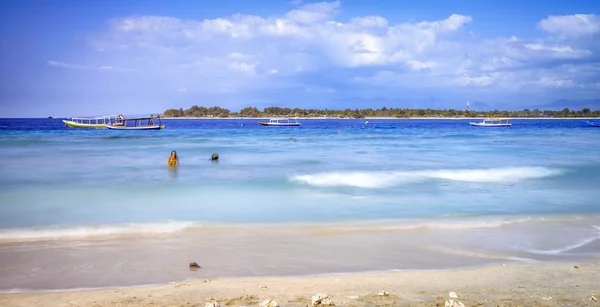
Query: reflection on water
column 173, row 172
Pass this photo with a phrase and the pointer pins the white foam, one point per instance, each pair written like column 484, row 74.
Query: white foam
column 36, row 233
column 390, row 179
column 565, row 248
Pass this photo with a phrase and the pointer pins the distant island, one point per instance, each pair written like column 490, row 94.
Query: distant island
column 218, row 112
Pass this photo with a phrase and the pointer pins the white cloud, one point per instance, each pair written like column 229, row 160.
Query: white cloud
column 571, row 25
column 84, row 67
column 559, row 51
column 253, row 53
column 182, row 89
column 248, row 68
column 314, row 12
column 555, row 82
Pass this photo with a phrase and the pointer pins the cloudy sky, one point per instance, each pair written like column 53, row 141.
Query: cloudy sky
column 77, row 58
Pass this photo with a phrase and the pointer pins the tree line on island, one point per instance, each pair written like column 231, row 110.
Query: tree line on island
column 200, row 111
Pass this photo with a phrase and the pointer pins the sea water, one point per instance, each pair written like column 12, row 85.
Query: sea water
column 94, row 208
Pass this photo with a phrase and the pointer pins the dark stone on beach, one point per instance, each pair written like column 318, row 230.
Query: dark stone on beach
column 214, row 156
column 194, row 265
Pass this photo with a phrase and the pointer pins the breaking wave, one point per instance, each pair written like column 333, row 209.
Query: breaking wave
column 390, row 179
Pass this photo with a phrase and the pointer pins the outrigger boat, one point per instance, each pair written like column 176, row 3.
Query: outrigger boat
column 493, row 122
column 90, row 122
column 140, row 123
column 281, row 122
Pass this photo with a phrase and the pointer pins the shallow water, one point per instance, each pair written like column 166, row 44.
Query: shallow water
column 99, row 208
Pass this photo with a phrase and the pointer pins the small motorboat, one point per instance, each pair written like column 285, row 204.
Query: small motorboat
column 281, row 122
column 492, row 122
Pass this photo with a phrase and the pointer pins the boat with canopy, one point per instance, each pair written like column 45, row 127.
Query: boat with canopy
column 138, row 123
column 493, row 122
column 292, row 121
column 90, row 122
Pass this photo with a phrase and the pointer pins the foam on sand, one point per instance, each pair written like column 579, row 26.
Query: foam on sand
column 48, row 233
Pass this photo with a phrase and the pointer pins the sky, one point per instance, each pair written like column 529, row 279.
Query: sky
column 87, row 58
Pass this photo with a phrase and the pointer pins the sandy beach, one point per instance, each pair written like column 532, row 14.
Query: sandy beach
column 516, row 284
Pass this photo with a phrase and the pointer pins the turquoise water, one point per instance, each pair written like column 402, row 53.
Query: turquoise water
column 61, row 183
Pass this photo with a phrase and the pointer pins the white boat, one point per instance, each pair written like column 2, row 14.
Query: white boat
column 90, row 122
column 492, row 122
column 293, row 121
column 141, row 123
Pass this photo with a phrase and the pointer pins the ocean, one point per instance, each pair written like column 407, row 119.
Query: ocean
column 85, row 208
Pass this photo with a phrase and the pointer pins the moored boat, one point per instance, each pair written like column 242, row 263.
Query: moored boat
column 281, row 122
column 492, row 122
column 139, row 123
column 90, row 122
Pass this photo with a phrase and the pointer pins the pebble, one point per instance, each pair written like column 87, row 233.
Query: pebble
column 269, row 303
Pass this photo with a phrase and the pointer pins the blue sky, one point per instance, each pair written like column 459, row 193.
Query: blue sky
column 78, row 58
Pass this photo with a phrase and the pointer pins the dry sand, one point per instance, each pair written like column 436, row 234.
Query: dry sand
column 516, row 284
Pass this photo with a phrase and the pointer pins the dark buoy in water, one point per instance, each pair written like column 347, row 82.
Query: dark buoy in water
column 194, row 265
column 214, row 157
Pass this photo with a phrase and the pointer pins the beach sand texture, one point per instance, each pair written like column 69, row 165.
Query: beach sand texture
column 520, row 284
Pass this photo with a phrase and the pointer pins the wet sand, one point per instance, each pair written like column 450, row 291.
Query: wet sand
column 518, row 284
column 228, row 251
column 81, row 260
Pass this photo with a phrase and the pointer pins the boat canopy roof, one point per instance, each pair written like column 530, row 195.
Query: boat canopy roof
column 284, row 118
column 139, row 118
column 97, row 117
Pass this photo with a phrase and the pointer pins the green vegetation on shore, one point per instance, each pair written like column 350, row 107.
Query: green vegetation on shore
column 199, row 111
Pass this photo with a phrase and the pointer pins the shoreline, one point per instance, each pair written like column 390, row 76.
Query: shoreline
column 142, row 258
column 511, row 284
column 379, row 118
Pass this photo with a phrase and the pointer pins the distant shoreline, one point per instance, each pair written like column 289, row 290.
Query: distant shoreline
column 383, row 118
column 332, row 118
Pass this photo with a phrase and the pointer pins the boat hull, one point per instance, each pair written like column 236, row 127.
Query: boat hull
column 72, row 124
column 490, row 125
column 153, row 127
column 279, row 124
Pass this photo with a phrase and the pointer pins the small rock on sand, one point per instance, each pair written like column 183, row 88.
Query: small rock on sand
column 321, row 300
column 453, row 303
column 268, row 303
